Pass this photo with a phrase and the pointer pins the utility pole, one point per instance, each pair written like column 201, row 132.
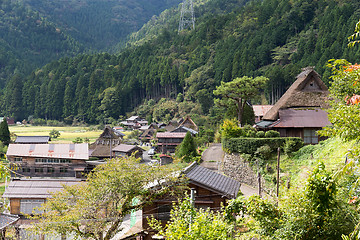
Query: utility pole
column 192, row 201
column 187, row 17
column 278, row 173
column 259, row 176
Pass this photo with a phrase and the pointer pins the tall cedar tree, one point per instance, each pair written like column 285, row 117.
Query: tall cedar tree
column 4, row 132
column 187, row 148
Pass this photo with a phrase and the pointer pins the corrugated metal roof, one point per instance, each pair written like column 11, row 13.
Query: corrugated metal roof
column 36, row 188
column 219, row 183
column 68, row 151
column 32, row 139
column 170, row 134
column 302, row 118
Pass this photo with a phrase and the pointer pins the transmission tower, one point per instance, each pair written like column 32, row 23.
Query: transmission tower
column 187, row 17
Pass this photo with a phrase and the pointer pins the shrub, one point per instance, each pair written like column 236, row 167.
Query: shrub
column 250, row 145
column 260, row 134
column 249, row 131
column 292, row 146
column 272, row 134
column 263, row 152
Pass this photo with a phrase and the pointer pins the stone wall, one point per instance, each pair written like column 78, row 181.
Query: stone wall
column 237, row 168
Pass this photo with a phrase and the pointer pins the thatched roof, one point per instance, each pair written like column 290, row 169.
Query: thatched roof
column 307, row 91
column 101, row 147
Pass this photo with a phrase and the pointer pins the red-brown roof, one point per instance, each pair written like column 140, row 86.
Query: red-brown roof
column 170, row 135
column 68, row 151
column 302, row 118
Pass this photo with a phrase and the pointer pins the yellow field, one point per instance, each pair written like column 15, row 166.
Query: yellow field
column 67, row 134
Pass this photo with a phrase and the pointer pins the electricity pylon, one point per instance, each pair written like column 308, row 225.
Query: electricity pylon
column 187, row 17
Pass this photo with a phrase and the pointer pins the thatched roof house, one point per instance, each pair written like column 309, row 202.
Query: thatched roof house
column 299, row 112
column 101, row 147
column 307, row 91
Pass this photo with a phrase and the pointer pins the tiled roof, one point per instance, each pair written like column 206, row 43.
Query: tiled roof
column 261, row 110
column 219, row 183
column 7, row 219
column 36, row 188
column 68, row 151
column 32, row 139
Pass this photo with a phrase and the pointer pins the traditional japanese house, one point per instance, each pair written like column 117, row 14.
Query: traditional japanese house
column 125, row 150
column 48, row 160
column 185, row 130
column 300, row 111
column 189, row 123
column 102, row 147
column 32, row 139
column 168, row 141
column 148, row 132
column 260, row 111
column 212, row 190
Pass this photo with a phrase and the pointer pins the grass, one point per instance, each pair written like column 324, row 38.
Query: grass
column 67, row 133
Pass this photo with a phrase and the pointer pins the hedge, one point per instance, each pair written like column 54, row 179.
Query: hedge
column 250, row 145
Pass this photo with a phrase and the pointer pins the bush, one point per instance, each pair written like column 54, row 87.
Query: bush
column 260, row 134
column 263, row 152
column 292, row 146
column 249, row 131
column 272, row 134
column 250, row 145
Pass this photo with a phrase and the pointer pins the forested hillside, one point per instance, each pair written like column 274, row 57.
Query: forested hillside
column 100, row 24
column 275, row 38
column 28, row 41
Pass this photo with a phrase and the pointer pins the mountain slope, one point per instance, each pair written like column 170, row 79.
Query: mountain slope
column 275, row 38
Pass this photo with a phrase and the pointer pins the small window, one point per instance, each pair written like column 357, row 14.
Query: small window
column 63, row 169
column 50, row 170
column 27, row 206
column 26, row 170
column 164, row 212
column 18, row 159
column 39, row 170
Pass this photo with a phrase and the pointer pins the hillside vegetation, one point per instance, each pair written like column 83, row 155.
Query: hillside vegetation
column 275, row 38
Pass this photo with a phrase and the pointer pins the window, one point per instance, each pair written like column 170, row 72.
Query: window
column 39, row 170
column 27, row 205
column 164, row 212
column 50, row 170
column 25, row 170
column 63, row 169
column 310, row 136
column 18, row 159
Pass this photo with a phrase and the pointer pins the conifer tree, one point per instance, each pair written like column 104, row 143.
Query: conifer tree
column 4, row 132
column 187, row 148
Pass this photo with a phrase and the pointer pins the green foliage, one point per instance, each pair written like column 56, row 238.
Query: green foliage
column 187, row 149
column 106, row 197
column 187, row 222
column 260, row 134
column 250, row 145
column 54, row 133
column 231, row 129
column 4, row 132
column 78, row 140
column 264, row 152
column 272, row 134
column 291, row 146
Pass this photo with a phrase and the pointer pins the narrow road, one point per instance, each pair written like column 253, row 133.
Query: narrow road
column 213, row 159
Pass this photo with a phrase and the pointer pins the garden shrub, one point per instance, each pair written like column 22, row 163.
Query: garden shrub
column 260, row 134
column 292, row 146
column 272, row 134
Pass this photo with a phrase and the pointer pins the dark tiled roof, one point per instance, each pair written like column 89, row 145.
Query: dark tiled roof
column 32, row 139
column 219, row 183
column 7, row 219
column 125, row 148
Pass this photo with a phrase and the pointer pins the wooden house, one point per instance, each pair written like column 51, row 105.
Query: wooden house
column 189, row 123
column 185, row 130
column 168, row 141
column 212, row 190
column 102, row 147
column 48, row 160
column 300, row 111
column 125, row 150
column 32, row 139
column 260, row 111
column 25, row 196
column 148, row 132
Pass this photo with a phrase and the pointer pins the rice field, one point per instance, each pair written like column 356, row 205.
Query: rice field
column 67, row 133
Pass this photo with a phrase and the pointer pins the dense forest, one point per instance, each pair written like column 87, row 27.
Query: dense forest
column 274, row 38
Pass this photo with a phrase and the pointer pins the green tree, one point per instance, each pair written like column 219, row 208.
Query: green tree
column 239, row 91
column 188, row 223
column 54, row 133
column 4, row 132
column 187, row 149
column 95, row 209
